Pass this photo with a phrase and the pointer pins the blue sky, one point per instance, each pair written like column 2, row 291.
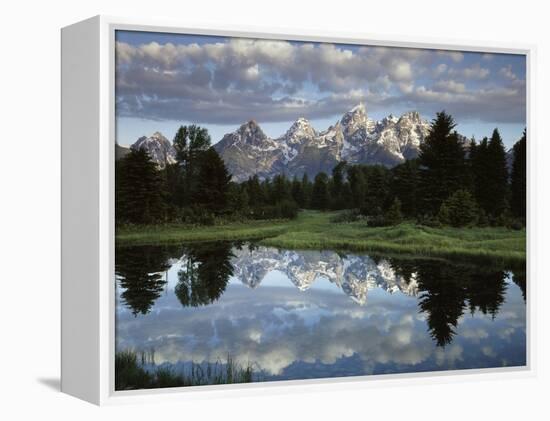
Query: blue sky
column 165, row 80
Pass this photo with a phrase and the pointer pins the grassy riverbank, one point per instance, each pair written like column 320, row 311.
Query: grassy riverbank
column 314, row 230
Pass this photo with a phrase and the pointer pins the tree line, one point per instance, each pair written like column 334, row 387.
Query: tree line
column 447, row 184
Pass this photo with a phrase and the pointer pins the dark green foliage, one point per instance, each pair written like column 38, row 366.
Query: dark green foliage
column 496, row 176
column 139, row 190
column 139, row 271
column 198, row 190
column 205, row 275
column 459, row 210
column 306, row 188
column 447, row 289
column 358, row 185
column 441, row 163
column 190, row 143
column 519, row 178
column 297, row 192
column 214, row 182
column 404, row 186
column 320, row 193
column 394, row 215
column 490, row 175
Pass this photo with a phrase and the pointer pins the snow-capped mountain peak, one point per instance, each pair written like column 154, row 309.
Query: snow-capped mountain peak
column 302, row 149
column 158, row 147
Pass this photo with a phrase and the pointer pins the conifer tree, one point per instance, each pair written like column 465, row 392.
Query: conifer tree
column 139, row 190
column 214, row 182
column 519, row 178
column 496, row 176
column 190, row 142
column 441, row 163
column 320, row 193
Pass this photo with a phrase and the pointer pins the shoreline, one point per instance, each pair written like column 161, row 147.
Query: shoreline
column 314, row 230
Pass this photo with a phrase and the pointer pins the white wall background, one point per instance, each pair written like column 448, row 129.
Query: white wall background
column 29, row 205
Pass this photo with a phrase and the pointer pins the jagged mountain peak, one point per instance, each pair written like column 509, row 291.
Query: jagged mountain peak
column 302, row 149
column 159, row 148
column 301, row 128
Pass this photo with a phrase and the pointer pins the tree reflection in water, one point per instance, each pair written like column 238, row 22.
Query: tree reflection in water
column 139, row 270
column 446, row 290
column 204, row 274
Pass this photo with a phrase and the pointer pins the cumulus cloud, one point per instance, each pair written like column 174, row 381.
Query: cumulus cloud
column 277, row 328
column 231, row 80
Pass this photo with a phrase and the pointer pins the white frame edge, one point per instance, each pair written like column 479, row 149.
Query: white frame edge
column 80, row 102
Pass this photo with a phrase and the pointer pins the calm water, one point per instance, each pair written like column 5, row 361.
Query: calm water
column 307, row 314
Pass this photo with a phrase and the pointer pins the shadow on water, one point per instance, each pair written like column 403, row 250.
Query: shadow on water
column 445, row 290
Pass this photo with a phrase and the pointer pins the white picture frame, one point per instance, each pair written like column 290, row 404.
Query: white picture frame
column 88, row 133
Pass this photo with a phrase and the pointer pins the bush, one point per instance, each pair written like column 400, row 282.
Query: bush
column 394, row 215
column 288, row 209
column 459, row 210
column 348, row 215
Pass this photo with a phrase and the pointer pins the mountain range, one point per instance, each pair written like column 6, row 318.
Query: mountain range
column 354, row 275
column 355, row 138
column 302, row 149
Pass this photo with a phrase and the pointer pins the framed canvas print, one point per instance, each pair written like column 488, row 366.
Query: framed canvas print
column 244, row 210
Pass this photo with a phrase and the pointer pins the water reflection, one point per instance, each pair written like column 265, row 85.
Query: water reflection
column 205, row 271
column 301, row 314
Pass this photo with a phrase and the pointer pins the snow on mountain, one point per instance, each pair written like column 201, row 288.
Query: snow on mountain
column 355, row 138
column 158, row 147
column 354, row 275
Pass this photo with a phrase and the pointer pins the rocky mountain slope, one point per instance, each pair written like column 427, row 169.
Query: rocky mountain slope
column 159, row 148
column 355, row 275
column 302, row 149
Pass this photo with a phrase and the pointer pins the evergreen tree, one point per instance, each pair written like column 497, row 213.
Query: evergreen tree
column 190, row 142
column 496, row 176
column 394, row 215
column 377, row 194
column 459, row 210
column 441, row 163
column 306, row 188
column 478, row 164
column 215, row 179
column 255, row 192
column 519, row 178
column 404, row 186
column 297, row 192
column 139, row 190
column 358, row 185
column 320, row 193
column 337, row 186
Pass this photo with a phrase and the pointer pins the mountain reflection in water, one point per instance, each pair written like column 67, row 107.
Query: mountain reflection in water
column 309, row 314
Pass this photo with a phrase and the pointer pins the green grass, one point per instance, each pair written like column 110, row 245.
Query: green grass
column 130, row 375
column 314, row 230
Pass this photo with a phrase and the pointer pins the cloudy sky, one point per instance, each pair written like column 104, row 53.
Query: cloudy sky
column 164, row 80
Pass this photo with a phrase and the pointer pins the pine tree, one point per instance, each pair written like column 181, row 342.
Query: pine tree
column 358, row 185
column 496, row 176
column 306, row 188
column 297, row 192
column 478, row 164
column 519, row 178
column 214, row 182
column 320, row 193
column 404, row 185
column 459, row 210
column 394, row 215
column 139, row 190
column 441, row 163
column 190, row 142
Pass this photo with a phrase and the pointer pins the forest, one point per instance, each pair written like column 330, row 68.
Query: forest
column 449, row 184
